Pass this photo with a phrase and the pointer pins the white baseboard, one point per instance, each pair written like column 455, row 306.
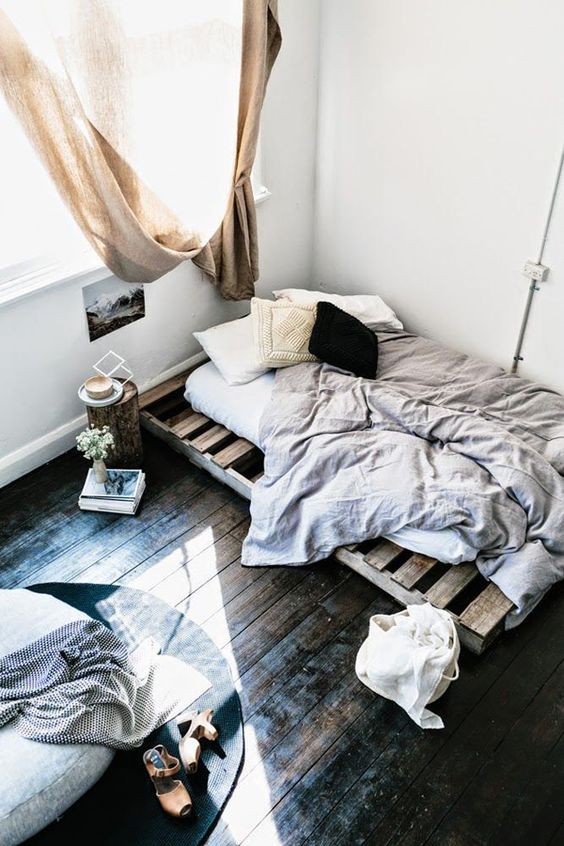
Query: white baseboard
column 38, row 452
column 59, row 440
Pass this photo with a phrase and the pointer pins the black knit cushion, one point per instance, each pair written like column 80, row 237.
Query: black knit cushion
column 340, row 339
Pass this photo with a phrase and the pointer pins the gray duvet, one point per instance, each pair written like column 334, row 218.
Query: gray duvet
column 439, row 440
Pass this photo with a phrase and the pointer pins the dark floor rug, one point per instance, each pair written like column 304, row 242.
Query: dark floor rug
column 121, row 808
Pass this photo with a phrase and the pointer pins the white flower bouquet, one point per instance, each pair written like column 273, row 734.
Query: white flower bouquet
column 95, row 443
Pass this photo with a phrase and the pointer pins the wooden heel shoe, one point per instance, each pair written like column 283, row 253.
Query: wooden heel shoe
column 194, row 728
column 170, row 792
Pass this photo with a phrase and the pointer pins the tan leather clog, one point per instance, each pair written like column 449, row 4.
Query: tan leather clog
column 194, row 728
column 170, row 792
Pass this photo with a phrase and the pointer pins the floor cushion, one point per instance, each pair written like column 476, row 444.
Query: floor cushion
column 39, row 780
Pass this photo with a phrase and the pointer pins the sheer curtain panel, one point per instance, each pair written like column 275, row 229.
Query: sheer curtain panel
column 147, row 115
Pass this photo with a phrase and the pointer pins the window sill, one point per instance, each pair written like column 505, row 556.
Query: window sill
column 86, row 267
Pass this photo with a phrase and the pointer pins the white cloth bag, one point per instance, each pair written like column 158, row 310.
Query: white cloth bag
column 411, row 658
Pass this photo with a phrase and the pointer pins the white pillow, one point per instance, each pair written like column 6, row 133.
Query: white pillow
column 231, row 347
column 370, row 309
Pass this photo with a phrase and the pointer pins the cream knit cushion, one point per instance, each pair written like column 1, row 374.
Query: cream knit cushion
column 282, row 330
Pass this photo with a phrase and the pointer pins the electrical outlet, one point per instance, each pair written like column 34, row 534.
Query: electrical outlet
column 536, row 272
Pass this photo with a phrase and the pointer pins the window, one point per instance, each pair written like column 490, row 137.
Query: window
column 40, row 242
column 37, row 230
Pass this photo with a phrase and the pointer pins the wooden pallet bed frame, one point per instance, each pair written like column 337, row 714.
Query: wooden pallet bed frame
column 478, row 608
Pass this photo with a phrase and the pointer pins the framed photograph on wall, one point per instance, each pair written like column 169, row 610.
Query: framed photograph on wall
column 111, row 304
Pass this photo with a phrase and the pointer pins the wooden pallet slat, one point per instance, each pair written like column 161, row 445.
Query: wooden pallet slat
column 414, row 569
column 169, row 406
column 240, row 479
column 487, row 611
column 451, row 584
column 190, row 424
column 380, row 578
column 177, row 418
column 385, row 552
column 232, row 453
column 235, row 462
column 165, row 389
column 210, row 438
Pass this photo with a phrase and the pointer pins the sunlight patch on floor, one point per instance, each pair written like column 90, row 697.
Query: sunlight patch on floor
column 251, row 801
column 187, row 576
column 180, row 555
column 204, row 603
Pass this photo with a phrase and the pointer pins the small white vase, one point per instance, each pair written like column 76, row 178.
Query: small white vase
column 100, row 470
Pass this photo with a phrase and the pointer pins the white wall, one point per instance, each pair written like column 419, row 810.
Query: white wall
column 44, row 348
column 440, row 128
column 438, row 135
column 289, row 132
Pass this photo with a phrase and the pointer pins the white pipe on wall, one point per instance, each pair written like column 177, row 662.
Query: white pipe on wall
column 533, row 287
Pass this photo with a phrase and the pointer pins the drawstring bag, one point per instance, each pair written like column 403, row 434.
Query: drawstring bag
column 411, row 658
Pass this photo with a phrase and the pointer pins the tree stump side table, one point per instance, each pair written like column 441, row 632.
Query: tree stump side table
column 123, row 419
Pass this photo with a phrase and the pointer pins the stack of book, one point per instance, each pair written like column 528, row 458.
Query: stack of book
column 121, row 492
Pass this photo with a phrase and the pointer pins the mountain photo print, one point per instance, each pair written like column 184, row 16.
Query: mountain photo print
column 111, row 304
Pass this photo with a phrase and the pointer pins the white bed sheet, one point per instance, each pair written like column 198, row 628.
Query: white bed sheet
column 239, row 408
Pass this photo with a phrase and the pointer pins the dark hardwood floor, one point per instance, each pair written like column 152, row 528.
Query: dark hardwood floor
column 327, row 761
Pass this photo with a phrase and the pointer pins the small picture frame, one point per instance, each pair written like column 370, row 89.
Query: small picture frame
column 111, row 304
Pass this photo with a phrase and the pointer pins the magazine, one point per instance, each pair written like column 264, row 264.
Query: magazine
column 112, row 505
column 120, row 486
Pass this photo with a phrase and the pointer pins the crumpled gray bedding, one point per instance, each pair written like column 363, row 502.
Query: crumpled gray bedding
column 438, row 440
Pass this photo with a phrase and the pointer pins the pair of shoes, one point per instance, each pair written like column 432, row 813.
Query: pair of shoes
column 161, row 766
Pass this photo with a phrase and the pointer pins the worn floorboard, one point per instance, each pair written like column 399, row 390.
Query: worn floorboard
column 327, row 762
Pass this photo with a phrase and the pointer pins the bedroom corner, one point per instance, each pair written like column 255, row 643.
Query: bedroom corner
column 282, row 423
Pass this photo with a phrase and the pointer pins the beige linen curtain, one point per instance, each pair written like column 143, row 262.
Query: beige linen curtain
column 147, row 115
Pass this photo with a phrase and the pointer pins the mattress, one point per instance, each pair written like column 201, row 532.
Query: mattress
column 239, row 408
